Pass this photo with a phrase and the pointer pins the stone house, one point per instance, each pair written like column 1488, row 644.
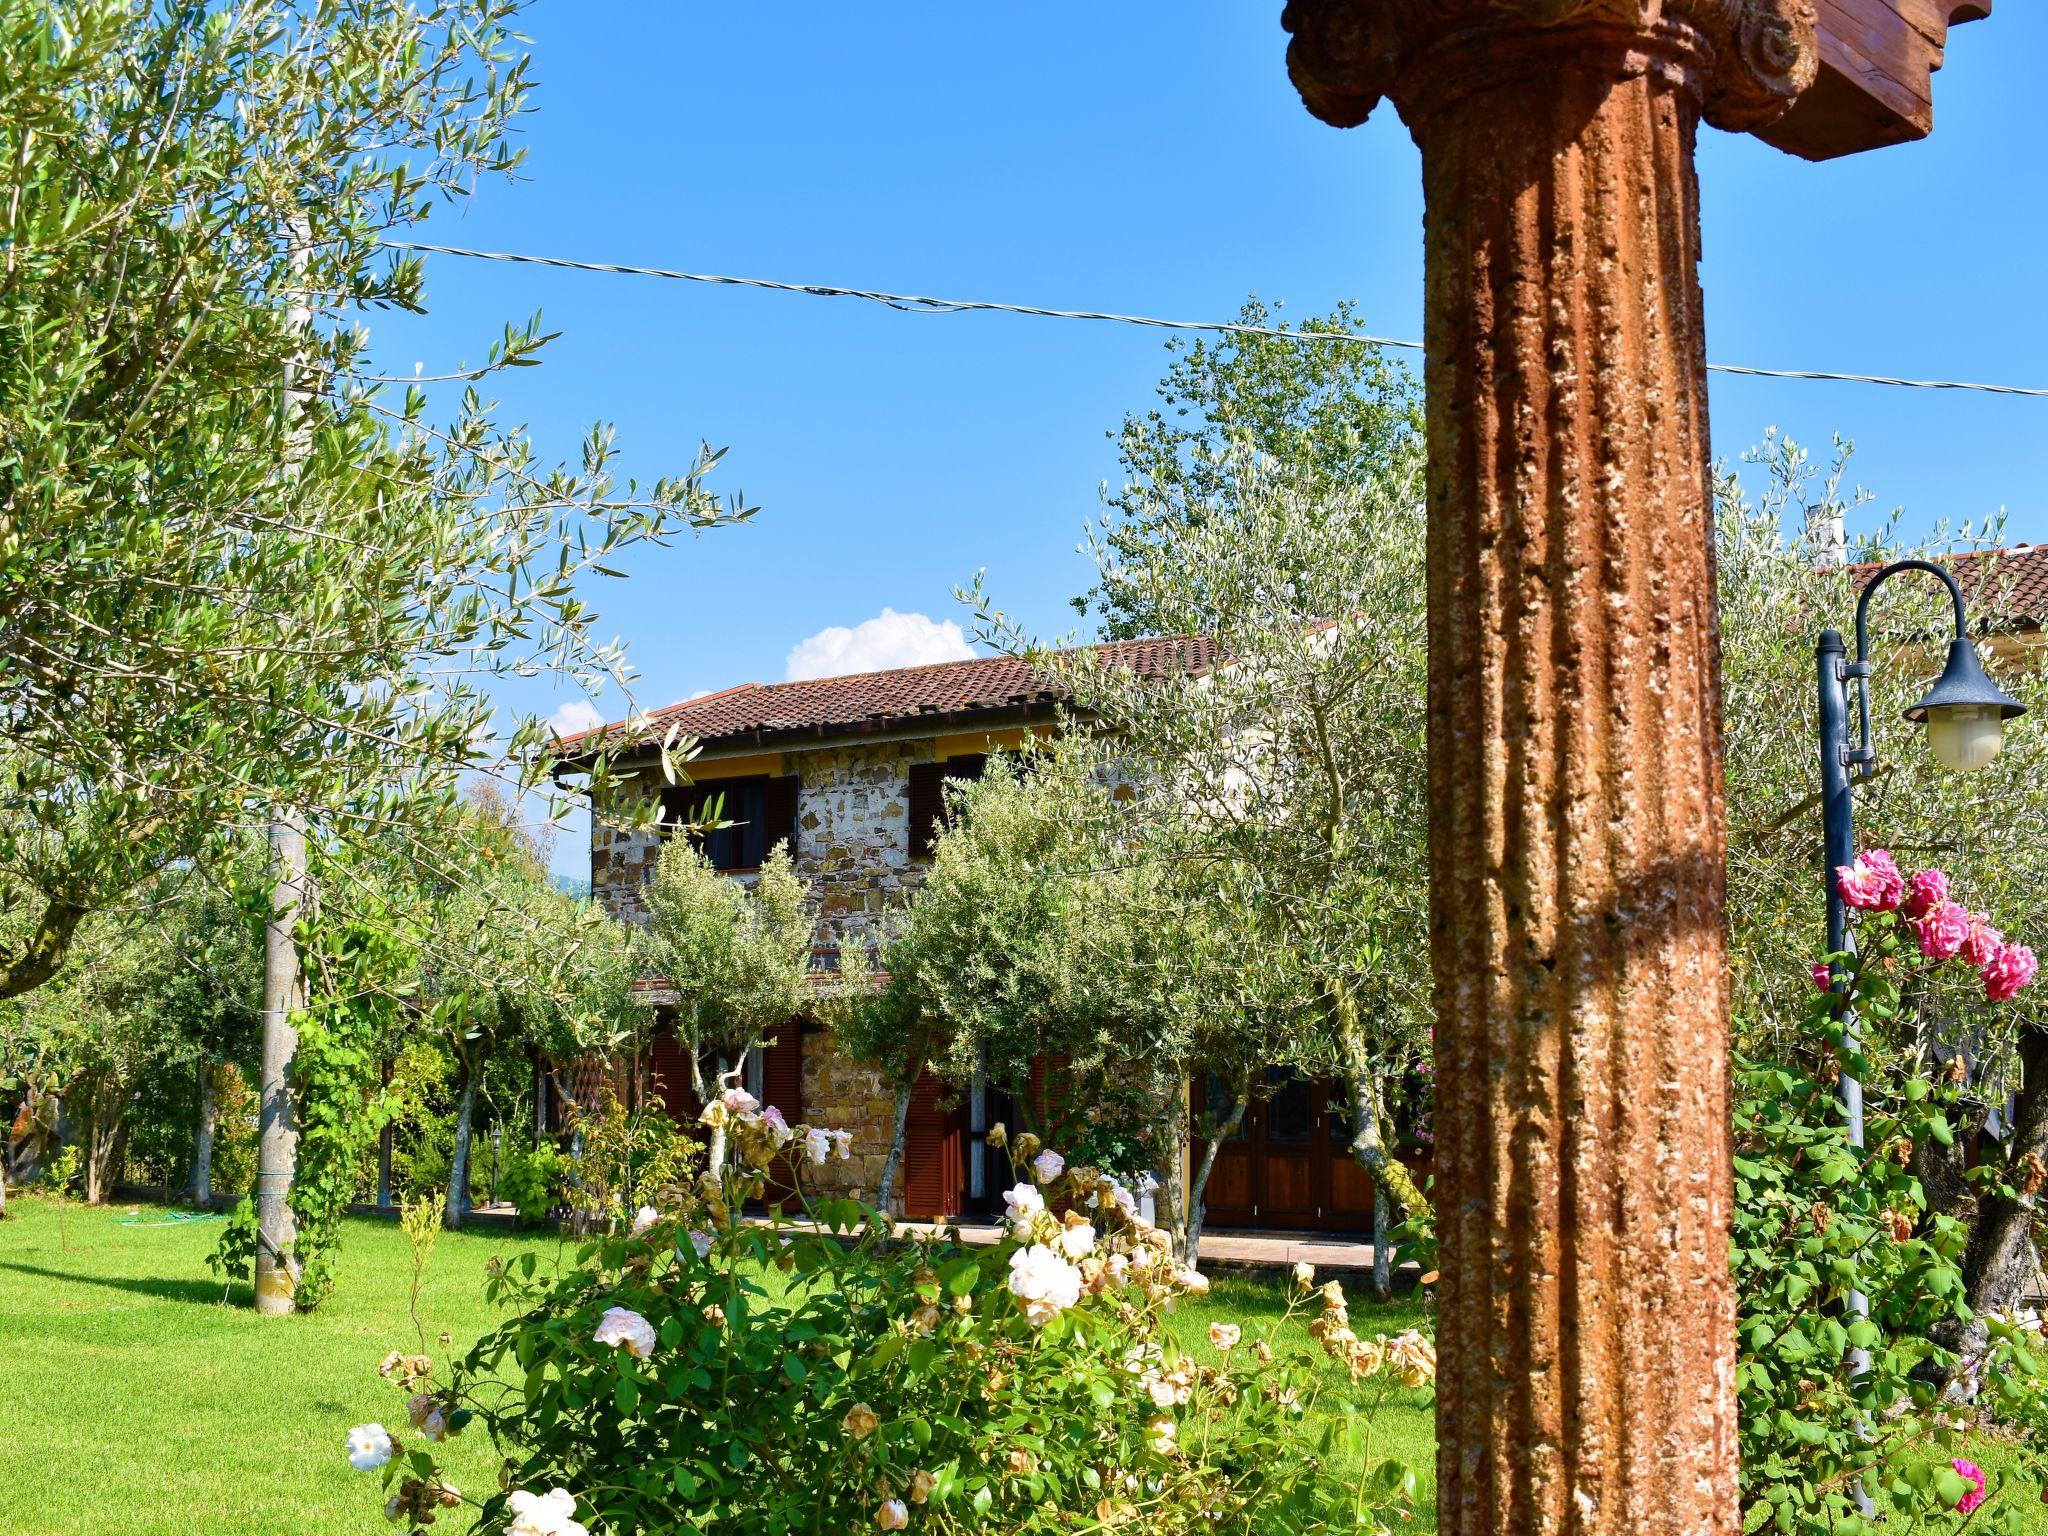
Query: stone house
column 850, row 771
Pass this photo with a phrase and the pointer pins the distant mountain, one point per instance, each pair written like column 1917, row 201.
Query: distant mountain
column 572, row 885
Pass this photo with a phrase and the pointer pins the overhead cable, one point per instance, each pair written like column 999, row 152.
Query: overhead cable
column 912, row 303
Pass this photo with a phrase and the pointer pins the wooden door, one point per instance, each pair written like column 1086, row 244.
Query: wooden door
column 1289, row 1167
column 1232, row 1196
column 1289, row 1143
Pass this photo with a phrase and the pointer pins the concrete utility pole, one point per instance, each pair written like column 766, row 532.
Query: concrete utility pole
column 277, row 1142
column 1577, row 863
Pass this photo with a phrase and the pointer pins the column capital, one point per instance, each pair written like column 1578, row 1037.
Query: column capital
column 1746, row 60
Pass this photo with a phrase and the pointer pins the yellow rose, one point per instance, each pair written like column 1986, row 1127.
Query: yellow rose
column 860, row 1421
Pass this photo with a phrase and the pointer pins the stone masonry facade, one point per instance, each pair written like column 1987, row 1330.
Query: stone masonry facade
column 853, row 846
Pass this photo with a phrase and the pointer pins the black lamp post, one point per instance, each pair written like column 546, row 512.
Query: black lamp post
column 1965, row 715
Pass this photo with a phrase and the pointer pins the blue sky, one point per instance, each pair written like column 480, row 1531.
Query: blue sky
column 1145, row 157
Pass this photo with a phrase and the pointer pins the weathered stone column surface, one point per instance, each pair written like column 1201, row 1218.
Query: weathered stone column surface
column 1586, row 1328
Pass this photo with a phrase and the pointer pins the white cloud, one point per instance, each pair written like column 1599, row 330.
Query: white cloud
column 888, row 640
column 573, row 716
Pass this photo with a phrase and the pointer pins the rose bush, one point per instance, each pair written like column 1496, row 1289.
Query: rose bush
column 1837, row 1408
column 695, row 1370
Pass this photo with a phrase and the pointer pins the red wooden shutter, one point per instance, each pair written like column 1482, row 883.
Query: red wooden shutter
column 934, row 1153
column 782, row 1071
column 669, row 1076
column 782, row 1084
column 778, row 813
column 925, row 803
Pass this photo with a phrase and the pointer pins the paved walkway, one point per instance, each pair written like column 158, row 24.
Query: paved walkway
column 1242, row 1250
column 1270, row 1252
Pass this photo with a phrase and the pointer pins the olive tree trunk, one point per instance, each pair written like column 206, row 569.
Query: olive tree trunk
column 2001, row 1258
column 1368, row 1146
column 201, row 1186
column 458, row 1165
column 1214, row 1134
column 899, row 1131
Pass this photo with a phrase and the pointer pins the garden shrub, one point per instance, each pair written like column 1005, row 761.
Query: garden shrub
column 628, row 1157
column 534, row 1181
column 693, row 1371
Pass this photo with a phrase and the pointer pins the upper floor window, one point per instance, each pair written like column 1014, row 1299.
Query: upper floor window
column 927, row 798
column 759, row 812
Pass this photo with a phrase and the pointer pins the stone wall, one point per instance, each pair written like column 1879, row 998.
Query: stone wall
column 853, row 838
column 853, row 846
column 841, row 1094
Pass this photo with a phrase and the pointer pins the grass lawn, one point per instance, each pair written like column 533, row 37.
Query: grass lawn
column 137, row 1404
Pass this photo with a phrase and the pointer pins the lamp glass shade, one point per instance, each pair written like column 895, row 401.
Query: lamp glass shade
column 1964, row 737
column 1965, row 712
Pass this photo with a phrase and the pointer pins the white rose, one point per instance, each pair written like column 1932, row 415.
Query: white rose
column 369, row 1447
column 893, row 1515
column 842, row 1143
column 700, row 1243
column 1195, row 1281
column 1046, row 1283
column 817, row 1144
column 1304, row 1275
column 543, row 1514
column 1076, row 1242
column 644, row 1218
column 620, row 1325
column 739, row 1101
column 1048, row 1165
column 1020, row 1205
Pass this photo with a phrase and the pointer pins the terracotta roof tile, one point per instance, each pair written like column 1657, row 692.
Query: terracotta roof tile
column 2006, row 589
column 953, row 693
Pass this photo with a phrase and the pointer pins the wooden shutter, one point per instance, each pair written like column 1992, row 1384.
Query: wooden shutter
column 782, row 1084
column 778, row 814
column 925, row 803
column 928, row 809
column 669, row 1076
column 934, row 1153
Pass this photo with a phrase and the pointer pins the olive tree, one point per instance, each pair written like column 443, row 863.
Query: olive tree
column 738, row 954
column 245, row 572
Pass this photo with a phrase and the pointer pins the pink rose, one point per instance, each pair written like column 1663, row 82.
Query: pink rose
column 1823, row 977
column 2010, row 970
column 1969, row 1472
column 1925, row 892
column 1873, row 883
column 1983, row 944
column 1943, row 930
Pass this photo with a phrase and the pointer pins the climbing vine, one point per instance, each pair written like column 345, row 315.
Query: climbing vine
column 358, row 971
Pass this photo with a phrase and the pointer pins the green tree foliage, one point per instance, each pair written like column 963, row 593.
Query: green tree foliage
column 737, row 954
column 159, row 996
column 1042, row 936
column 1333, row 417
column 222, row 599
column 514, row 965
column 1282, row 788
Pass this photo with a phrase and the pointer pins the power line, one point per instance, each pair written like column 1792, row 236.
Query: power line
column 925, row 304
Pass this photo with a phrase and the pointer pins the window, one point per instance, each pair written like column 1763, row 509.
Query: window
column 761, row 812
column 928, row 810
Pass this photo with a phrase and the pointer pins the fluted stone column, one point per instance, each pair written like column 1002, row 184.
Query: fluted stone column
column 1586, row 1323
